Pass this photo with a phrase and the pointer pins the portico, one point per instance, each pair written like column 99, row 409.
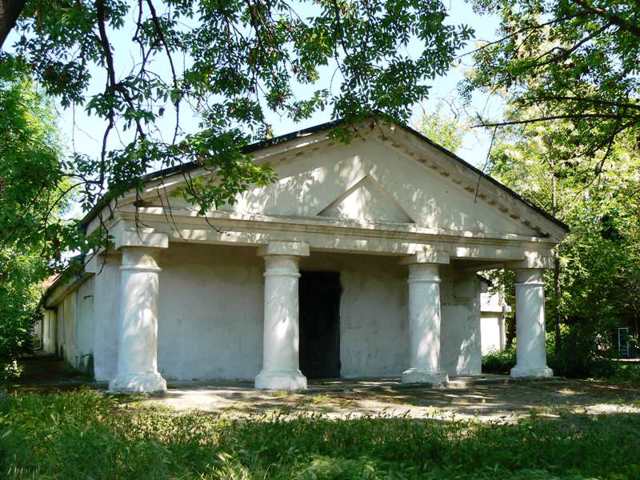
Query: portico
column 141, row 263
column 400, row 224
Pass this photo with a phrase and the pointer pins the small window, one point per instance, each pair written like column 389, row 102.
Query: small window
column 624, row 347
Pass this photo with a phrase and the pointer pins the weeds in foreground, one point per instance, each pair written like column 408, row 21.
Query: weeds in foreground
column 85, row 434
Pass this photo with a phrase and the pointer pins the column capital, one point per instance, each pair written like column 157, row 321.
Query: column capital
column 293, row 249
column 430, row 254
column 142, row 259
column 424, row 272
column 529, row 276
column 532, row 260
column 126, row 235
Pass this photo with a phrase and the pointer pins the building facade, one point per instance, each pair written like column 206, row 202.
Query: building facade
column 361, row 260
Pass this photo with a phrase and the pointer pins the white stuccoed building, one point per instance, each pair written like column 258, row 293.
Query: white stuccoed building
column 359, row 261
column 493, row 316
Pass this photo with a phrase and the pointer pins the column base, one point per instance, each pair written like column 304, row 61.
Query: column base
column 415, row 375
column 138, row 383
column 528, row 372
column 281, row 380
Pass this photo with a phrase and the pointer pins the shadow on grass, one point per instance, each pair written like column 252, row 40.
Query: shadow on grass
column 86, row 434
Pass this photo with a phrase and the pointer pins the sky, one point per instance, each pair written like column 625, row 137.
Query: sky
column 82, row 133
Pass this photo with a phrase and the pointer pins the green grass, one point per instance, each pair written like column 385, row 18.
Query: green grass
column 87, row 435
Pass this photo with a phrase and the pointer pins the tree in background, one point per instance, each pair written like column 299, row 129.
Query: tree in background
column 31, row 188
column 446, row 130
column 594, row 287
column 569, row 142
column 570, row 64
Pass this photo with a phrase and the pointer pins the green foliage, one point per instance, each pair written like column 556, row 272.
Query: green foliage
column 84, row 434
column 499, row 362
column 599, row 261
column 445, row 130
column 31, row 170
column 570, row 64
column 626, row 372
column 239, row 62
column 31, row 185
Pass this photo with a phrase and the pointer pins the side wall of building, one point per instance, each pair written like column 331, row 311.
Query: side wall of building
column 106, row 304
column 68, row 329
column 49, row 331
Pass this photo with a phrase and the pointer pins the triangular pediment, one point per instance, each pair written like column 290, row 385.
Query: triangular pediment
column 384, row 176
column 368, row 202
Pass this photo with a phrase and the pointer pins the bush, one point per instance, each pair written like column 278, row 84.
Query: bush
column 499, row 362
column 581, row 354
column 19, row 296
column 626, row 372
column 572, row 362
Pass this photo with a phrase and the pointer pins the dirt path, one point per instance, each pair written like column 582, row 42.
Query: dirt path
column 485, row 402
column 490, row 398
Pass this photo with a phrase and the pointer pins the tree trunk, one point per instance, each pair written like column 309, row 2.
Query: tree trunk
column 9, row 12
column 556, row 268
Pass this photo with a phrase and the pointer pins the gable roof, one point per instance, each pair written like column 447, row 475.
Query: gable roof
column 257, row 146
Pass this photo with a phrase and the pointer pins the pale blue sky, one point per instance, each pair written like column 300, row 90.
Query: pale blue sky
column 83, row 133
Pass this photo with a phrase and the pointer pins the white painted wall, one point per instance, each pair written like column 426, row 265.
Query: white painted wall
column 492, row 333
column 374, row 339
column 211, row 309
column 493, row 310
column 49, row 331
column 210, row 312
column 66, row 328
column 84, row 324
column 461, row 347
column 73, row 326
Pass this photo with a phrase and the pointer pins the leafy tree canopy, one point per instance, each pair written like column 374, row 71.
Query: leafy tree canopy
column 31, row 188
column 229, row 63
column 575, row 61
column 599, row 261
column 445, row 130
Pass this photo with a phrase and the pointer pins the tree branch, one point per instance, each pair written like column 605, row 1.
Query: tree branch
column 9, row 12
column 595, row 101
column 617, row 20
column 551, row 118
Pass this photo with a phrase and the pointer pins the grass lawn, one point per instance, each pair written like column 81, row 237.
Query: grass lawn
column 85, row 434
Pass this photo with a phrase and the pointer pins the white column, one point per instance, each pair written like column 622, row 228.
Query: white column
column 530, row 326
column 424, row 326
column 280, row 361
column 137, row 369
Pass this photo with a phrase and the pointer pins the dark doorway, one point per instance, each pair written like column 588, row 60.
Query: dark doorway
column 320, row 324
